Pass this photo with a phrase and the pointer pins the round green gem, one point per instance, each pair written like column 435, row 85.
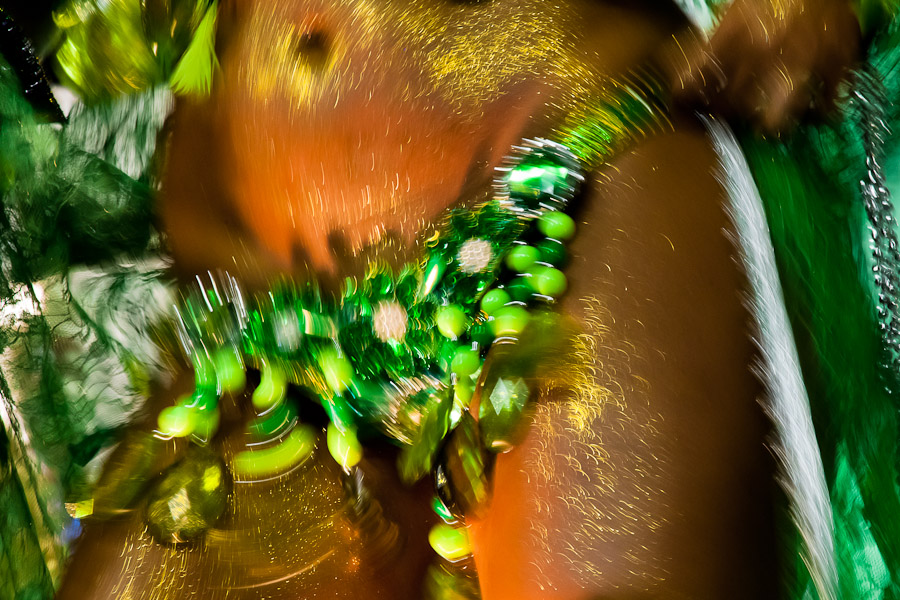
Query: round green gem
column 552, row 252
column 521, row 258
column 177, row 421
column 556, row 225
column 344, row 446
column 337, row 370
column 465, row 362
column 494, row 300
column 229, row 371
column 271, row 389
column 549, row 282
column 451, row 321
column 510, row 321
column 451, row 543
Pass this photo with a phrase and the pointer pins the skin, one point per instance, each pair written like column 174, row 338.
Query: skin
column 341, row 130
column 770, row 63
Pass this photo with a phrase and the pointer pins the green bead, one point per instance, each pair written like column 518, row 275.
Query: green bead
column 337, row 370
column 177, row 421
column 510, row 321
column 271, row 389
column 434, row 271
column 465, row 362
column 442, row 511
column 494, row 300
column 552, row 251
column 451, row 321
column 463, row 390
column 451, row 543
column 481, row 334
column 520, row 290
column 204, row 373
column 206, row 425
column 522, row 258
column 274, row 422
column 536, row 178
column 339, row 412
column 229, row 371
column 548, row 281
column 266, row 462
column 344, row 446
column 556, row 225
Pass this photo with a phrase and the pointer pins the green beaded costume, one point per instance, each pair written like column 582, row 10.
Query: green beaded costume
column 73, row 372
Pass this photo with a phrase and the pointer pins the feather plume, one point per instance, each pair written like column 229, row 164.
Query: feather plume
column 801, row 472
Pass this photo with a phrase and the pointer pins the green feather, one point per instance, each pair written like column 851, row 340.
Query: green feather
column 194, row 73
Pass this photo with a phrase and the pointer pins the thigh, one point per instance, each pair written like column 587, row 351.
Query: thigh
column 645, row 469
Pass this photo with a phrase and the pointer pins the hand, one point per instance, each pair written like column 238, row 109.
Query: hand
column 771, row 61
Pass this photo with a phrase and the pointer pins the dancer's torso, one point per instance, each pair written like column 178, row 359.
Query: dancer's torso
column 339, row 131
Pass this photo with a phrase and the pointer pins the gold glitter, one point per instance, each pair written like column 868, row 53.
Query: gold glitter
column 594, row 465
column 288, row 537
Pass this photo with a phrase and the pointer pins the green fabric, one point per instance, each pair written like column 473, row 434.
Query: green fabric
column 810, row 188
column 23, row 572
column 73, row 371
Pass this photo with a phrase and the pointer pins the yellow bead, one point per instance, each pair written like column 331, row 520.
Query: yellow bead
column 295, row 449
column 337, row 370
column 451, row 543
column 344, row 446
column 271, row 389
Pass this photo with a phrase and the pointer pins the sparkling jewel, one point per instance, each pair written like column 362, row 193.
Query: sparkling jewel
column 503, row 401
column 286, row 330
column 189, row 499
column 461, row 470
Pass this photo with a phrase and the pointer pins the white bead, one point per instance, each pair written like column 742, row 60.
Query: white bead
column 287, row 330
column 474, row 256
column 389, row 321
